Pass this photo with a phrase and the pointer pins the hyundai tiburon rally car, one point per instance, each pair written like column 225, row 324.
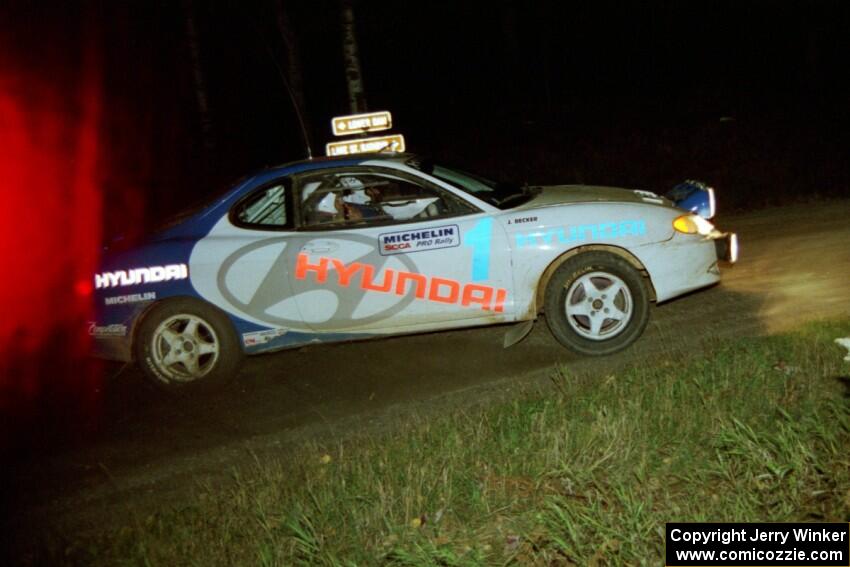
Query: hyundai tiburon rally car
column 361, row 247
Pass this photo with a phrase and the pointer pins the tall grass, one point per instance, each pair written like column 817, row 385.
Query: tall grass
column 584, row 472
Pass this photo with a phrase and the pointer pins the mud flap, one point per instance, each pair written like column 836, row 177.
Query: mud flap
column 517, row 332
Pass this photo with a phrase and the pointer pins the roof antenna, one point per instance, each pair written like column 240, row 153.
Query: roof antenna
column 282, row 75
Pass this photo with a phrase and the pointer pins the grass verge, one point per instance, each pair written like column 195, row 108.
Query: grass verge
column 584, row 472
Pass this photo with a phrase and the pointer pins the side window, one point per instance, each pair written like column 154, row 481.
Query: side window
column 367, row 198
column 264, row 208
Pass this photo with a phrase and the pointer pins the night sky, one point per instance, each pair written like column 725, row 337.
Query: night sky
column 604, row 92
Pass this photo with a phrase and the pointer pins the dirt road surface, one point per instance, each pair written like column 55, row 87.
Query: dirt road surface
column 794, row 267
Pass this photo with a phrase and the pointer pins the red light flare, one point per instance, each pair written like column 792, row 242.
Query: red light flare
column 50, row 229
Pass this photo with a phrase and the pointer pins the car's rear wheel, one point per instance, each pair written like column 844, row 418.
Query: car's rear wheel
column 184, row 343
column 596, row 303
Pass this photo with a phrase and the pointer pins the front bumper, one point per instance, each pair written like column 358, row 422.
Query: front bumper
column 726, row 247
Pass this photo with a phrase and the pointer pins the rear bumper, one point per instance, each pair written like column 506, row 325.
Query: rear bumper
column 726, row 247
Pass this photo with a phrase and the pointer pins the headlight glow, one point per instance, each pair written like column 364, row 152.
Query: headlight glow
column 712, row 206
column 733, row 248
column 692, row 224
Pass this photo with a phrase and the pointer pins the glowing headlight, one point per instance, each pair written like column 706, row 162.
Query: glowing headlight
column 733, row 248
column 712, row 204
column 693, row 224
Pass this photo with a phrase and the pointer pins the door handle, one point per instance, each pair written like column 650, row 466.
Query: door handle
column 319, row 247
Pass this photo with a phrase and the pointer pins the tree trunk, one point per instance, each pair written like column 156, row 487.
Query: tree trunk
column 198, row 76
column 353, row 75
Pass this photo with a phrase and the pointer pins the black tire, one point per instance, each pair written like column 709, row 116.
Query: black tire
column 166, row 343
column 598, row 332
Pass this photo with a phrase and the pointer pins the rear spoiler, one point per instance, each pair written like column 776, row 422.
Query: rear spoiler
column 694, row 196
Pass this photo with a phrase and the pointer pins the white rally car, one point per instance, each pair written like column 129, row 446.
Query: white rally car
column 359, row 247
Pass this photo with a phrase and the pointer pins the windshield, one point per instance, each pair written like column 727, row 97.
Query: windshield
column 498, row 194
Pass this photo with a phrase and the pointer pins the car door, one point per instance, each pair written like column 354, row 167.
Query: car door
column 386, row 251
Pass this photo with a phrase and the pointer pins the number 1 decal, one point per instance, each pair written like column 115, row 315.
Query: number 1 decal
column 479, row 239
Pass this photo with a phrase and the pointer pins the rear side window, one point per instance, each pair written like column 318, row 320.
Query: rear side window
column 266, row 208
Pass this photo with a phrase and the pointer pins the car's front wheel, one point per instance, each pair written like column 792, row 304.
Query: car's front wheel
column 596, row 303
column 183, row 343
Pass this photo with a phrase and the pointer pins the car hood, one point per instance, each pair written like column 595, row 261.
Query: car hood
column 553, row 195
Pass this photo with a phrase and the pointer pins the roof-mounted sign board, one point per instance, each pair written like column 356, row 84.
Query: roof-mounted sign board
column 391, row 143
column 359, row 123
